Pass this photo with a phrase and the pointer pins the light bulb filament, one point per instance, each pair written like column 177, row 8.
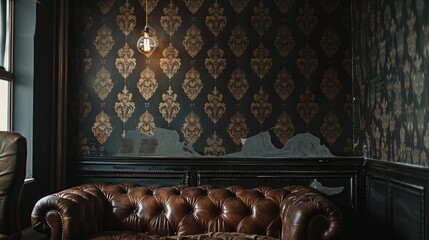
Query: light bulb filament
column 146, row 43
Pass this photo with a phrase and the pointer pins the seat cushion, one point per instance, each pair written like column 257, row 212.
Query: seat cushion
column 126, row 235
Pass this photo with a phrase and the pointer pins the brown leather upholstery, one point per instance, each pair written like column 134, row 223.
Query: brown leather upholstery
column 89, row 210
column 13, row 159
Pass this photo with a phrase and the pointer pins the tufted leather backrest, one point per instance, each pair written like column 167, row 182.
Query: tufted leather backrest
column 187, row 210
column 13, row 158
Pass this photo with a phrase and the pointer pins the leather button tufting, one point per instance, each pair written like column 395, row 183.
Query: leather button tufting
column 216, row 213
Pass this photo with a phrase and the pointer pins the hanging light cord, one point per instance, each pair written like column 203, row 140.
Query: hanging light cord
column 146, row 16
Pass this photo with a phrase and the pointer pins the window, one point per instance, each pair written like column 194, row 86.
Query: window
column 4, row 105
column 17, row 33
column 6, row 77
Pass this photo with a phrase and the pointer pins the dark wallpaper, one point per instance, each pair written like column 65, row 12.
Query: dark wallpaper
column 391, row 68
column 223, row 70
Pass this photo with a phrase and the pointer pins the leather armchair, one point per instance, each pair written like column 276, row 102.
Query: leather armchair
column 13, row 159
column 104, row 211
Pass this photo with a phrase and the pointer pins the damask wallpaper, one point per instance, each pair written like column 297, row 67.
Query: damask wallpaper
column 223, row 71
column 391, row 69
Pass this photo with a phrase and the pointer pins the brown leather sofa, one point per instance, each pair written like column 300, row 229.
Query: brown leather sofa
column 127, row 211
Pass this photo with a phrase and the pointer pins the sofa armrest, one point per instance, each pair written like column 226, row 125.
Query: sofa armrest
column 70, row 214
column 307, row 214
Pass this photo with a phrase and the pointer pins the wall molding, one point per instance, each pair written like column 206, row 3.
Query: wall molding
column 346, row 172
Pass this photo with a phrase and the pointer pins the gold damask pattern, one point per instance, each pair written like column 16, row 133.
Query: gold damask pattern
column 215, row 63
column 85, row 105
column 214, row 147
column 238, row 5
column 171, row 21
column 147, row 83
column 284, row 41
column 86, row 62
column 146, row 124
column 237, row 128
column 418, row 81
column 238, row 41
column 125, row 107
column 86, row 24
column 193, row 41
column 84, row 148
column 151, row 5
column 237, row 68
column 285, row 128
column 284, row 5
column 330, row 41
column 261, row 62
column 103, row 84
column 193, row 5
column 307, row 108
column 214, row 108
column 104, row 40
column 126, row 20
column 102, row 127
column 238, row 84
column 330, row 84
column 192, row 85
column 261, row 108
column 306, row 20
column 170, row 62
column 406, row 69
column 261, row 21
column 331, row 128
column 216, row 21
column 125, row 63
column 105, row 5
column 192, row 128
column 307, row 62
column 169, row 107
column 284, row 84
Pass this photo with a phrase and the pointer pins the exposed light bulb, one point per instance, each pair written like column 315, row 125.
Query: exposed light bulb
column 146, row 44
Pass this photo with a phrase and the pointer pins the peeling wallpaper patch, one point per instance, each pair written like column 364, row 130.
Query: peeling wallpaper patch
column 166, row 143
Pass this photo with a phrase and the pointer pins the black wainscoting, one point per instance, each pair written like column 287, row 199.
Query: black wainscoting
column 396, row 199
column 344, row 172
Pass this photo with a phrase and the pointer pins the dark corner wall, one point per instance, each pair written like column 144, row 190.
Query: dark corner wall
column 223, row 70
column 391, row 69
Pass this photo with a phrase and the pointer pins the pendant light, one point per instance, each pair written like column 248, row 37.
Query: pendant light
column 146, row 44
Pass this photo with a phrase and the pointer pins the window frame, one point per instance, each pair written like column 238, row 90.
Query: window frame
column 7, row 75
